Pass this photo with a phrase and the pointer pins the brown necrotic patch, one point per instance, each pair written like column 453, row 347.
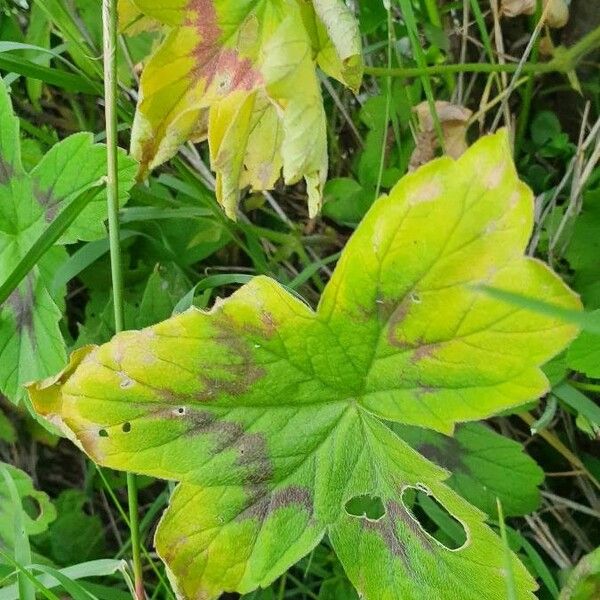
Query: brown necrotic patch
column 423, row 350
column 263, row 503
column 6, row 171
column 397, row 528
column 240, row 373
column 22, row 302
column 387, row 529
column 47, row 201
column 446, row 452
column 251, row 448
column 397, row 315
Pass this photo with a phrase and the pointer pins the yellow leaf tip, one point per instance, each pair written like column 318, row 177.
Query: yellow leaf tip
column 45, row 394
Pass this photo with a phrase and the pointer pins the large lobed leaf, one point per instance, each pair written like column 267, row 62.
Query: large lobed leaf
column 271, row 415
column 242, row 74
column 31, row 343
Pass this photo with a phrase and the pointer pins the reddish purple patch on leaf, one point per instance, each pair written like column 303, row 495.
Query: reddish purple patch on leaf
column 21, row 302
column 218, row 64
column 47, row 201
column 269, row 502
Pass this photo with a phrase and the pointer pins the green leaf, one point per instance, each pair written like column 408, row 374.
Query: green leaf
column 271, row 414
column 346, row 201
column 337, row 589
column 242, row 74
column 484, row 466
column 583, row 354
column 38, row 33
column 164, row 289
column 584, row 580
column 584, row 249
column 8, row 433
column 35, row 508
column 154, row 301
column 545, row 127
column 578, row 402
column 51, row 578
column 61, row 79
column 31, row 343
column 74, row 536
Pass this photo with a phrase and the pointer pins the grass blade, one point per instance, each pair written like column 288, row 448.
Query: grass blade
column 22, row 549
column 587, row 321
column 578, row 402
column 67, row 81
column 511, row 587
column 50, row 236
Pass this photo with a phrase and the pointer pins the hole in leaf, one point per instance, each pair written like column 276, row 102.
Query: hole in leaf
column 103, row 433
column 126, row 427
column 434, row 519
column 31, row 507
column 181, row 410
column 365, row 506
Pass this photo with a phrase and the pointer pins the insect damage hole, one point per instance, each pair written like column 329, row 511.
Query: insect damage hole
column 126, row 427
column 366, row 507
column 433, row 518
column 31, row 507
column 103, row 433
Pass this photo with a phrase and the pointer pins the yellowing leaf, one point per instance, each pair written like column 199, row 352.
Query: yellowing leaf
column 339, row 50
column 251, row 66
column 131, row 19
column 273, row 415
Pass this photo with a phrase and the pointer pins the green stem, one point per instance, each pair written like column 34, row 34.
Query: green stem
column 109, row 19
column 565, row 60
column 433, row 13
column 134, row 530
column 411, row 72
column 282, row 582
column 585, row 386
column 388, row 104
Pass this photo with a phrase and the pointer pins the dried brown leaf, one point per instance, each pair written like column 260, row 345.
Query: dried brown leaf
column 454, row 120
column 556, row 11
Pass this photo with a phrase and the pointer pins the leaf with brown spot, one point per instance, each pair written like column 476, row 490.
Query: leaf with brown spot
column 272, row 416
column 31, row 343
column 484, row 466
column 132, row 21
column 242, row 73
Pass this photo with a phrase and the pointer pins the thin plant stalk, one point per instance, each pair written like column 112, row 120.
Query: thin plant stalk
column 410, row 21
column 564, row 61
column 109, row 20
column 388, row 101
column 523, row 121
